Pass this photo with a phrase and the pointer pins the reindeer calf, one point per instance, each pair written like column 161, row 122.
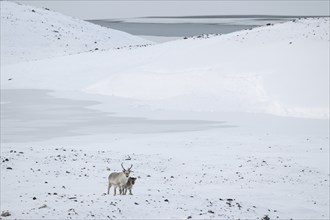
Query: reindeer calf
column 129, row 185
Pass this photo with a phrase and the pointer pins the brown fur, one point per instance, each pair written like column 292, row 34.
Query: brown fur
column 129, row 185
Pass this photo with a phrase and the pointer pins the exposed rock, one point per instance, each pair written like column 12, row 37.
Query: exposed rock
column 43, row 206
column 5, row 213
column 265, row 218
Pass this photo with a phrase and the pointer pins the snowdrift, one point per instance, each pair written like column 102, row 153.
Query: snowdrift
column 29, row 33
column 280, row 69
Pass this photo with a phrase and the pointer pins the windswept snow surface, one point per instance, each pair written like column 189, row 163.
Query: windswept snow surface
column 30, row 33
column 56, row 158
column 281, row 69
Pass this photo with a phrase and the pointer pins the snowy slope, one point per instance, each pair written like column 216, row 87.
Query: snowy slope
column 29, row 33
column 281, row 69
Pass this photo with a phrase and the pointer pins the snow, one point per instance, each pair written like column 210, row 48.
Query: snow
column 275, row 170
column 30, row 33
column 281, row 69
column 201, row 118
column 159, row 39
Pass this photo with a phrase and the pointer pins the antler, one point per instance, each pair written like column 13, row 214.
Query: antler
column 122, row 166
column 130, row 167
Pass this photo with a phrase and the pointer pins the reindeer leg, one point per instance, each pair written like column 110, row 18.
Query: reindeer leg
column 109, row 186
column 130, row 191
column 114, row 190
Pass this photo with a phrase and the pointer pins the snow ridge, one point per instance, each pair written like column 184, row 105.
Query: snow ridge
column 280, row 69
column 30, row 33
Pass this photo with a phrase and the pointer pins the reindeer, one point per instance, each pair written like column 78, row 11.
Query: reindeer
column 119, row 179
column 129, row 185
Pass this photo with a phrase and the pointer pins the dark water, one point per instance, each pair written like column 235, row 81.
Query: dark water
column 35, row 115
column 180, row 29
column 171, row 30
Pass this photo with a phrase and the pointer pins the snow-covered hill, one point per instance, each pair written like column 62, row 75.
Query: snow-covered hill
column 281, row 69
column 30, row 33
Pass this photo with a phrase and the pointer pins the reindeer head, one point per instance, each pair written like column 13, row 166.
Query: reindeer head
column 128, row 171
column 132, row 180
